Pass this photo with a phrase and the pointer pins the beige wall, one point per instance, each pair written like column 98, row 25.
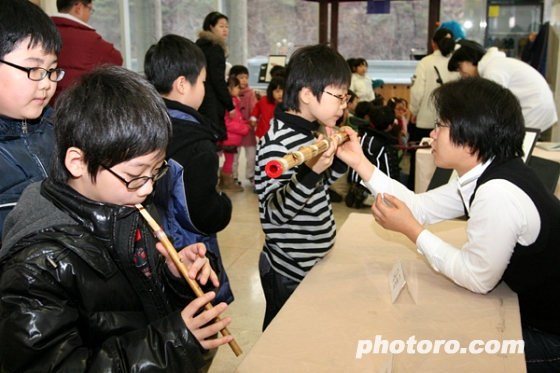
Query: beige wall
column 49, row 6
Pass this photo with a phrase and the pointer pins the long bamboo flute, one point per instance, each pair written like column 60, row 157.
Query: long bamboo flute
column 276, row 167
column 160, row 234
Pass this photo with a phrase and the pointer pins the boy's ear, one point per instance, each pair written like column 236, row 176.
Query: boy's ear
column 74, row 162
column 306, row 95
column 181, row 85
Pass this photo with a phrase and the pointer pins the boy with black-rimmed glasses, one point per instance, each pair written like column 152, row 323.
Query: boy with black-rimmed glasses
column 29, row 45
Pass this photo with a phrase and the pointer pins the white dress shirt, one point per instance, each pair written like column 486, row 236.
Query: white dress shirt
column 501, row 215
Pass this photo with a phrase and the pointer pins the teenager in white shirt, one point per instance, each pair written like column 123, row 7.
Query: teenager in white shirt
column 512, row 229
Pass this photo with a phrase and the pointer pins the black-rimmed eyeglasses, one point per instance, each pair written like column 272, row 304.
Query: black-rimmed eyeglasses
column 343, row 98
column 139, row 182
column 38, row 73
column 439, row 124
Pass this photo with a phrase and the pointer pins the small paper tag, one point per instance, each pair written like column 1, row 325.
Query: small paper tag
column 396, row 280
column 388, row 366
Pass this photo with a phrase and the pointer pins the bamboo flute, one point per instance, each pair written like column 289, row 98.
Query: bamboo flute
column 276, row 167
column 160, row 234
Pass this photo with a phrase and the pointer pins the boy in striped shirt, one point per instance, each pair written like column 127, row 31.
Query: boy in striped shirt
column 295, row 210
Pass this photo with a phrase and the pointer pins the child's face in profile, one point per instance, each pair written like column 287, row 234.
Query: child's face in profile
column 352, row 104
column 109, row 188
column 198, row 91
column 278, row 93
column 362, row 69
column 243, row 80
column 21, row 97
column 331, row 107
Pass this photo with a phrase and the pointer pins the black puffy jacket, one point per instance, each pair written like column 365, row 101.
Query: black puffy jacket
column 71, row 298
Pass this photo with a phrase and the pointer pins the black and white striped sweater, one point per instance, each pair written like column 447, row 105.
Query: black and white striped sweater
column 295, row 209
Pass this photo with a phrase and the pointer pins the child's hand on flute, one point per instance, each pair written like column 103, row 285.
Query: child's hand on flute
column 194, row 257
column 201, row 325
column 321, row 162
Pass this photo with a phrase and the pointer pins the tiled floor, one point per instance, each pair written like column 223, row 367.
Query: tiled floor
column 240, row 244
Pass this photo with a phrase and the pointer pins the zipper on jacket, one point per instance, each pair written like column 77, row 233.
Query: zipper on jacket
column 24, row 127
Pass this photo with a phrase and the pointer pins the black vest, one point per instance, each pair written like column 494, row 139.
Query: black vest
column 533, row 271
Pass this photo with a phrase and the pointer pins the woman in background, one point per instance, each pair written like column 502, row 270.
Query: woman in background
column 430, row 73
column 212, row 41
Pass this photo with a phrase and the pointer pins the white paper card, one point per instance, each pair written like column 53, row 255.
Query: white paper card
column 396, row 280
column 388, row 367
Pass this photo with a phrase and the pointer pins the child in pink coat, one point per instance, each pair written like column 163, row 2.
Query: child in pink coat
column 247, row 101
column 236, row 128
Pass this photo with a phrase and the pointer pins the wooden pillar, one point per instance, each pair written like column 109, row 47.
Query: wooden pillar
column 433, row 19
column 323, row 21
column 334, row 24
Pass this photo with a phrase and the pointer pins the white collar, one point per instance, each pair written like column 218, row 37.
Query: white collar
column 71, row 17
column 467, row 183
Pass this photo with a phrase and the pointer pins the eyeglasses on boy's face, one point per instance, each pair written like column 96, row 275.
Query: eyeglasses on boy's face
column 343, row 98
column 439, row 124
column 38, row 73
column 139, row 182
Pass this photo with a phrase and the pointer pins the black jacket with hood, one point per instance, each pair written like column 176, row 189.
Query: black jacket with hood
column 193, row 146
column 72, row 299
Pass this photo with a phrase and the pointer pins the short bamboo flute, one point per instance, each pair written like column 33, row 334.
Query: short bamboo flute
column 160, row 234
column 276, row 167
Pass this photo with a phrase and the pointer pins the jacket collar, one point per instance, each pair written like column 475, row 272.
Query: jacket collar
column 15, row 128
column 214, row 39
column 98, row 218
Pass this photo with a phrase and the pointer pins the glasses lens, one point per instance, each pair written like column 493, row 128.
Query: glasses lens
column 56, row 75
column 138, row 182
column 162, row 171
column 37, row 73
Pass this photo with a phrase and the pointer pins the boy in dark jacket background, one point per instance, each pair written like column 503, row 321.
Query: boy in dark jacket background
column 378, row 145
column 177, row 68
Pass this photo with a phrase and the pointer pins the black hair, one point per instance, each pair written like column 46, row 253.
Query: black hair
column 113, row 115
column 173, row 56
column 352, row 96
column 356, row 62
column 21, row 20
column 238, row 69
column 232, row 81
column 445, row 41
column 315, row 67
column 363, row 108
column 276, row 82
column 381, row 117
column 278, row 70
column 378, row 100
column 469, row 51
column 483, row 115
column 65, row 6
column 211, row 20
